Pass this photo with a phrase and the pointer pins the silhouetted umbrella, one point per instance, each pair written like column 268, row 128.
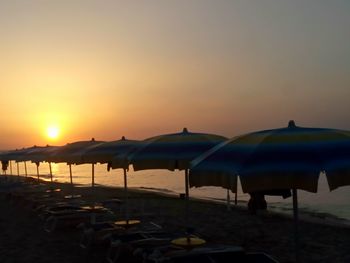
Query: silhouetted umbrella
column 172, row 151
column 17, row 155
column 105, row 152
column 39, row 154
column 71, row 153
column 25, row 156
column 286, row 158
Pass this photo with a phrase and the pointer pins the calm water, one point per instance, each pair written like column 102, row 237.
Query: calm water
column 336, row 203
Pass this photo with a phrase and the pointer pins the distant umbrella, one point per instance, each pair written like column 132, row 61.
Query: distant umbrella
column 17, row 156
column 105, row 152
column 38, row 155
column 71, row 153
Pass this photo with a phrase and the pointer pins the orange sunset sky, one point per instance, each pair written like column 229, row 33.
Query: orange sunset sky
column 105, row 69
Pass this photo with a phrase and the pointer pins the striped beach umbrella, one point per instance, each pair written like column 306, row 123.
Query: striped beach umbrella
column 26, row 156
column 173, row 151
column 39, row 154
column 285, row 158
column 72, row 153
column 170, row 151
column 105, row 152
column 17, row 156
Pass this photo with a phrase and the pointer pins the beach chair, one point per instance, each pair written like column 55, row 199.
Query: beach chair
column 207, row 254
column 66, row 219
column 120, row 242
column 133, row 245
column 71, row 217
column 97, row 234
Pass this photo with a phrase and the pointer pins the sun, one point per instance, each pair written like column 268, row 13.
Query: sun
column 53, row 132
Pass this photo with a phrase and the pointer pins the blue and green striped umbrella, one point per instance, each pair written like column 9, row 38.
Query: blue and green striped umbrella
column 173, row 151
column 286, row 158
column 104, row 152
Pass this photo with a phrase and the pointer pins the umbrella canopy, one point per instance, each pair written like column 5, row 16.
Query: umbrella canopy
column 15, row 155
column 36, row 154
column 172, row 151
column 71, row 153
column 286, row 158
column 18, row 156
column 104, row 152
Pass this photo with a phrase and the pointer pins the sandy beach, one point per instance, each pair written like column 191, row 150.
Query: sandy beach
column 23, row 238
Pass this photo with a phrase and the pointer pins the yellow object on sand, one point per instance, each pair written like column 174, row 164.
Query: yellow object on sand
column 188, row 242
column 127, row 223
column 92, row 207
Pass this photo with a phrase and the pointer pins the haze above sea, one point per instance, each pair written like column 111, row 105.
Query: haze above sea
column 324, row 204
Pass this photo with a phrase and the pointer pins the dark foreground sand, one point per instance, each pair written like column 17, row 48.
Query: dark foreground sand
column 22, row 238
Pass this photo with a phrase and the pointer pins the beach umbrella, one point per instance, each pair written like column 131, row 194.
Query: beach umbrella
column 38, row 155
column 105, row 152
column 71, row 153
column 285, row 158
column 17, row 155
column 28, row 155
column 173, row 151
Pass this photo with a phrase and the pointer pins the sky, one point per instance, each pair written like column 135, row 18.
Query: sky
column 105, row 69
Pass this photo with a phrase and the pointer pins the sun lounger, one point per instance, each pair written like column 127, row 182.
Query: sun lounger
column 207, row 254
column 72, row 216
column 65, row 219
column 97, row 234
column 124, row 245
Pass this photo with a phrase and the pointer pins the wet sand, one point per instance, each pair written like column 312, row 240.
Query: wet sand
column 23, row 238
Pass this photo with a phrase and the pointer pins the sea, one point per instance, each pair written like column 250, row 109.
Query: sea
column 325, row 204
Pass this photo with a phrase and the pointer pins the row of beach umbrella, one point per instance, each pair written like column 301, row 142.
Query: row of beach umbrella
column 284, row 158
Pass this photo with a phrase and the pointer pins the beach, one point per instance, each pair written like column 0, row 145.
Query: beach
column 23, row 238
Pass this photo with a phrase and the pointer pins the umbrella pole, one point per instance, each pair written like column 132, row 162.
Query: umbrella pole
column 186, row 184
column 25, row 169
column 93, row 175
column 71, row 179
column 93, row 215
column 126, row 196
column 50, row 172
column 228, row 200
column 37, row 171
column 70, row 174
column 296, row 225
column 187, row 208
column 236, row 190
column 17, row 168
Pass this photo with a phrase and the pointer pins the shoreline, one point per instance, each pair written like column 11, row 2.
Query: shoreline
column 306, row 215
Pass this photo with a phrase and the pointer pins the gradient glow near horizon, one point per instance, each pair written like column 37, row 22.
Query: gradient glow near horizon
column 104, row 69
